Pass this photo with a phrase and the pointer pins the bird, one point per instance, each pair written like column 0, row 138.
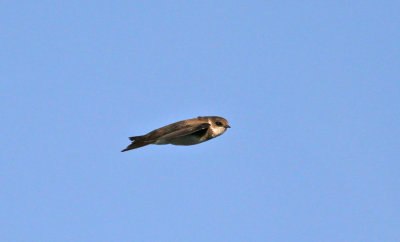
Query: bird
column 186, row 132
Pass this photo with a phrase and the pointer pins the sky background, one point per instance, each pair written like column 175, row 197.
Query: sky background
column 310, row 88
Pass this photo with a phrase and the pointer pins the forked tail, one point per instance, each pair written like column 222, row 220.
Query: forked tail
column 137, row 141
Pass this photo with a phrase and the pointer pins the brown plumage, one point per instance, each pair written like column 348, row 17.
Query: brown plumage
column 186, row 132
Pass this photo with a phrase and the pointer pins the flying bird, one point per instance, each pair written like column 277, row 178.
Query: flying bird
column 186, row 132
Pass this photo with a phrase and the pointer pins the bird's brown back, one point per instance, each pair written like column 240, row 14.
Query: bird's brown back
column 155, row 134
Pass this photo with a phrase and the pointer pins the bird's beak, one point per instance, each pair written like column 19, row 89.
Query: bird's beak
column 227, row 126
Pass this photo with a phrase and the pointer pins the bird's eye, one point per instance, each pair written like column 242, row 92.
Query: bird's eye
column 218, row 123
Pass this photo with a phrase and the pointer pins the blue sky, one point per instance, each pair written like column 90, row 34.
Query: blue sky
column 310, row 88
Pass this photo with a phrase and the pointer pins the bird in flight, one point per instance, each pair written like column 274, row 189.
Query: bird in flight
column 186, row 132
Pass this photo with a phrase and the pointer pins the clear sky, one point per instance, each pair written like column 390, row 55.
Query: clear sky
column 310, row 88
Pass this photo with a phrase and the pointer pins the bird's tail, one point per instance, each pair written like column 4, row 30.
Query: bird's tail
column 137, row 141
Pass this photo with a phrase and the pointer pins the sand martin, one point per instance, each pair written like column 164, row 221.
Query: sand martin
column 186, row 132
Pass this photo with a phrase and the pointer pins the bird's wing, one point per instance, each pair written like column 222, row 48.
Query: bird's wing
column 185, row 131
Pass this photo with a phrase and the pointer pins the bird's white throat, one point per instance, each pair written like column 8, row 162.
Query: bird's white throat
column 217, row 130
